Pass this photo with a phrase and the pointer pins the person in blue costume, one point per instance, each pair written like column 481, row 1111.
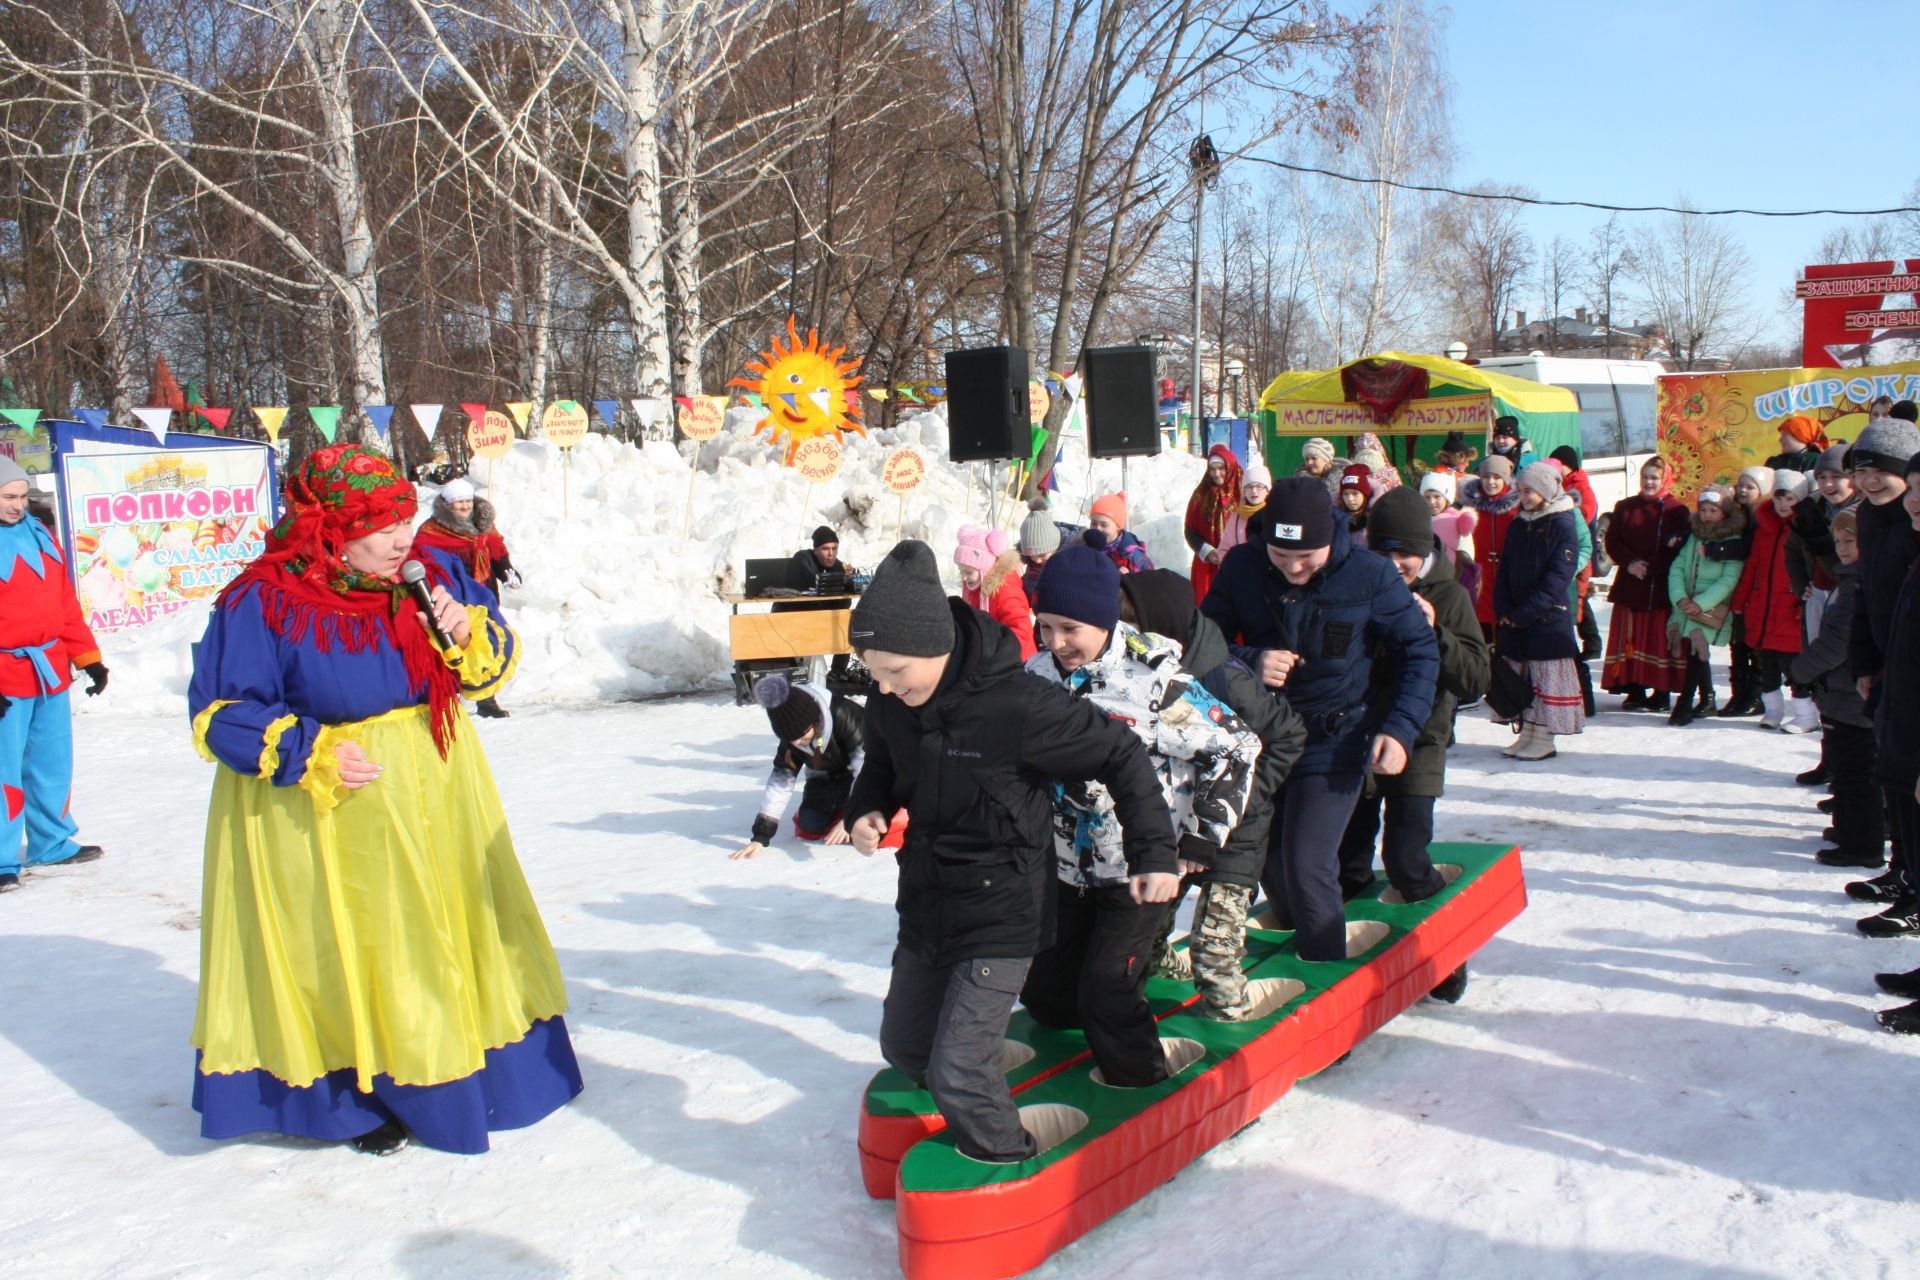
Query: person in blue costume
column 43, row 638
column 372, row 964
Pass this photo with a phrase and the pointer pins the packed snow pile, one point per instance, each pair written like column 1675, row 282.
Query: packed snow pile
column 621, row 594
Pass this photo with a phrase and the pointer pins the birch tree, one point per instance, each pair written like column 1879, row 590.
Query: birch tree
column 1694, row 274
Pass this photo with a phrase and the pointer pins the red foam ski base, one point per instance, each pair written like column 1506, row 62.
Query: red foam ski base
column 1004, row 1229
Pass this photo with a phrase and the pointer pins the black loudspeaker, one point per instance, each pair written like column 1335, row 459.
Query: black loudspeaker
column 1122, row 402
column 987, row 404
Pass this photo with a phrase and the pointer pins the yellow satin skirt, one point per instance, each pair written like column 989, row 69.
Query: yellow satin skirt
column 388, row 929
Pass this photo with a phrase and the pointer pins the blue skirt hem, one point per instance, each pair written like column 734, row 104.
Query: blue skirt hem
column 520, row 1084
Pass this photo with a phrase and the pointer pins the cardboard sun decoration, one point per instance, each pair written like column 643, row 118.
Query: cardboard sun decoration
column 803, row 387
column 1102, row 1148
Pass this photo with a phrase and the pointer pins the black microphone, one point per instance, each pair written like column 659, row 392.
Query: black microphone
column 414, row 574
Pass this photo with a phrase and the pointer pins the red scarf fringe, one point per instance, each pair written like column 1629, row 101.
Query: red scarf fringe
column 296, row 609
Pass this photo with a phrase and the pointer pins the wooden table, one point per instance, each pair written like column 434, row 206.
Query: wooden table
column 758, row 632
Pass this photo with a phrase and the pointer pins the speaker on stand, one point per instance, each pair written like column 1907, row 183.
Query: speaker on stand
column 1122, row 404
column 986, row 411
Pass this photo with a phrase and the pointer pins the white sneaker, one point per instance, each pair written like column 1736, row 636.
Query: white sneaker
column 1773, row 709
column 1802, row 716
column 1538, row 745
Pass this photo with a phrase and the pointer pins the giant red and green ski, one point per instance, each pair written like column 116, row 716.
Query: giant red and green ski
column 960, row 1219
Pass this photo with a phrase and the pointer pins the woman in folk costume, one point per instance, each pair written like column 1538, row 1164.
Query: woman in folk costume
column 371, row 961
column 463, row 524
column 43, row 639
column 1644, row 538
column 1213, row 501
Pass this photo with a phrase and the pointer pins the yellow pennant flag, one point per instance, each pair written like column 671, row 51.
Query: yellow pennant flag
column 521, row 410
column 878, row 393
column 271, row 416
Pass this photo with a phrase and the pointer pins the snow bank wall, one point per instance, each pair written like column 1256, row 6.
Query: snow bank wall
column 619, row 602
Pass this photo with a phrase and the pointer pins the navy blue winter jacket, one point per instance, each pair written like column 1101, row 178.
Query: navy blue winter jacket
column 1337, row 621
column 1538, row 563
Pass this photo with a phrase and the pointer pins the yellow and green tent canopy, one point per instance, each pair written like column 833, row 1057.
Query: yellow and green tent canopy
column 1549, row 416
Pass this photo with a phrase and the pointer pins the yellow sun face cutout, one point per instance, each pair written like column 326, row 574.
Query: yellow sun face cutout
column 803, row 387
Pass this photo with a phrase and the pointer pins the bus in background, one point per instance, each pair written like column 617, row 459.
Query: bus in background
column 1617, row 427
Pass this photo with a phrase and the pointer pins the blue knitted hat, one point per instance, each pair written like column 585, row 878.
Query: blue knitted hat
column 1082, row 583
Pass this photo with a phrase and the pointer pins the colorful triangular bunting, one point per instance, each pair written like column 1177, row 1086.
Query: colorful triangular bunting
column 327, row 418
column 272, row 417
column 381, row 416
column 607, row 409
column 521, row 411
column 92, row 417
column 156, row 420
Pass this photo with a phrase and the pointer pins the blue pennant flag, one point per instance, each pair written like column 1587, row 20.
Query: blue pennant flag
column 607, row 408
column 93, row 417
column 381, row 415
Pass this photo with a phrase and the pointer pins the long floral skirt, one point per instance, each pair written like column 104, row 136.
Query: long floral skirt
column 1557, row 706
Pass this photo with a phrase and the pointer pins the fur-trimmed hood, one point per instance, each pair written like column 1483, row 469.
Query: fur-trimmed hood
column 481, row 522
column 1473, row 496
column 1732, row 526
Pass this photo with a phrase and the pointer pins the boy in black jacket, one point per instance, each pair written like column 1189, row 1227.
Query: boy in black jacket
column 970, row 745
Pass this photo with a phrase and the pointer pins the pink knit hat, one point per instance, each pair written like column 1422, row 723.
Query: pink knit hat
column 979, row 548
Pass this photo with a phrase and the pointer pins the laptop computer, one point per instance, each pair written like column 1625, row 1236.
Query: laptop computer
column 765, row 577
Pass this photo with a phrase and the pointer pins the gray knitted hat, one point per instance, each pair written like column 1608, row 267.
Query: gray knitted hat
column 1541, row 477
column 904, row 609
column 1791, row 483
column 1886, row 444
column 1833, row 458
column 1039, row 535
column 10, row 471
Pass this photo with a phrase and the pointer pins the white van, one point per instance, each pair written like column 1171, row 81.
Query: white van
column 1617, row 413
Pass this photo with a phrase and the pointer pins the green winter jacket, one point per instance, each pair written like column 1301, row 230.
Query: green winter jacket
column 1708, row 583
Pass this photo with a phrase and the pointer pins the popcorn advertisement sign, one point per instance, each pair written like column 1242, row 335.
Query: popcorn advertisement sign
column 152, row 530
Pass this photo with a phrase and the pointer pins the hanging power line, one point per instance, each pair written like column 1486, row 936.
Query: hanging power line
column 1581, row 204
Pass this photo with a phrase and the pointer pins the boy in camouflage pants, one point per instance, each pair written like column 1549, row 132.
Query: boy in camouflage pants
column 1162, row 602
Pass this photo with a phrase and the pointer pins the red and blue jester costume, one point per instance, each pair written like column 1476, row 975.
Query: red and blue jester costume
column 43, row 638
column 369, row 956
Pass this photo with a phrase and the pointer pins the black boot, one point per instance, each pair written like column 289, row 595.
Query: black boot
column 1743, row 694
column 1818, row 776
column 1900, row 920
column 1660, row 701
column 384, row 1141
column 1845, row 857
column 1904, row 985
column 491, row 709
column 1586, row 686
column 1825, row 805
column 1451, row 987
column 1636, row 699
column 9, row 881
column 1902, row 1021
column 1884, row 888
column 1683, row 710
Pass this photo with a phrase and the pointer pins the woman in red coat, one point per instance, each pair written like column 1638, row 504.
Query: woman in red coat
column 1213, row 500
column 1493, row 498
column 463, row 526
column 990, row 581
column 1643, row 538
column 1769, row 609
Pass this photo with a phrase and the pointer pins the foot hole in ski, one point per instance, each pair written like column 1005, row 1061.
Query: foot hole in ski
column 1268, row 994
column 1363, row 936
column 1180, row 1054
column 1051, row 1123
column 1269, row 920
column 1014, row 1055
column 1449, row 872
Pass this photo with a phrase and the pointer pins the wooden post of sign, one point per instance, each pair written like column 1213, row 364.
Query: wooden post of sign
column 970, row 481
column 693, row 473
column 566, row 469
column 901, row 531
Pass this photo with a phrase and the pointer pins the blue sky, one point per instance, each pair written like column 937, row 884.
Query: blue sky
column 1756, row 104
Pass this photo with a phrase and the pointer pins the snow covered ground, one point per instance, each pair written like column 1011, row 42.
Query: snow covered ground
column 1666, row 1067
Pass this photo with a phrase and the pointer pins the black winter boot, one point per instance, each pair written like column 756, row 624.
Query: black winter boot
column 1900, row 920
column 1905, row 985
column 1743, row 696
column 1845, row 857
column 384, row 1141
column 1451, row 987
column 1636, row 699
column 1825, row 805
column 1883, row 888
column 1683, row 709
column 491, row 709
column 1903, row 1021
column 1660, row 701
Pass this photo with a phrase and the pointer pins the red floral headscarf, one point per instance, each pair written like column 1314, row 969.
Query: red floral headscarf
column 341, row 492
column 306, row 593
